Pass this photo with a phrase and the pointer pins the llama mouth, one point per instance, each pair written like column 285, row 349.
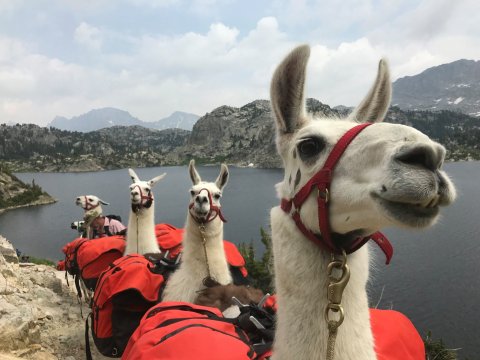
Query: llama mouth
column 413, row 214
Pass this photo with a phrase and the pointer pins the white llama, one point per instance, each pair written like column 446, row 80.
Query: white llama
column 389, row 175
column 92, row 206
column 203, row 252
column 141, row 237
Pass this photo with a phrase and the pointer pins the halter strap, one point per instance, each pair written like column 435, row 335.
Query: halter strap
column 148, row 198
column 322, row 180
column 89, row 206
column 212, row 213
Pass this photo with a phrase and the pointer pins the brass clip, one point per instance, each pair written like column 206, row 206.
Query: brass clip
column 337, row 285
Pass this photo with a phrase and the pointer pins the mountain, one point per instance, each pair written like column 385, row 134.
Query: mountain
column 178, row 120
column 242, row 136
column 108, row 117
column 454, row 86
column 96, row 119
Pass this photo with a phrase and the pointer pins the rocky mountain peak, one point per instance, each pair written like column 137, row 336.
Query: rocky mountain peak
column 454, row 86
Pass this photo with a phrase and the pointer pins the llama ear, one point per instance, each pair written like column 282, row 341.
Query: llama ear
column 156, row 179
column 222, row 177
column 103, row 202
column 133, row 175
column 375, row 105
column 287, row 91
column 194, row 173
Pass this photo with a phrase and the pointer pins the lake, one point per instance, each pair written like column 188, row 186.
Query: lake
column 434, row 277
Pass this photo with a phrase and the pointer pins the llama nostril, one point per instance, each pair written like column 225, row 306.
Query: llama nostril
column 201, row 199
column 423, row 156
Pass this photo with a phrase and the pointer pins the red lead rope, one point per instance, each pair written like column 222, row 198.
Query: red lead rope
column 322, row 180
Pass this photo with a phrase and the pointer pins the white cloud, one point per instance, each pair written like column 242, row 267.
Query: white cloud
column 88, row 35
column 160, row 72
column 153, row 3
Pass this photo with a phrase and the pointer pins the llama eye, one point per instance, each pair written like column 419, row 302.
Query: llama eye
column 310, row 147
column 217, row 196
column 91, row 200
column 192, row 192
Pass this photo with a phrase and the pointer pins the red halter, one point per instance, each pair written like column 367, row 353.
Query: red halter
column 148, row 198
column 212, row 214
column 322, row 180
column 88, row 206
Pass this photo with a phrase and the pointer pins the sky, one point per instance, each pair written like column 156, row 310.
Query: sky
column 154, row 57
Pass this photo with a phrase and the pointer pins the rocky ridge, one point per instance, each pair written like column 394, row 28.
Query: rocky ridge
column 242, row 136
column 40, row 316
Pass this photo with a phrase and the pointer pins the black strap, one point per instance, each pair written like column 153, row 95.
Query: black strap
column 106, row 230
column 88, row 352
column 77, row 285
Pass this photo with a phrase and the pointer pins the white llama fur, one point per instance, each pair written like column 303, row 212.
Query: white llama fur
column 185, row 283
column 141, row 237
column 93, row 202
column 388, row 176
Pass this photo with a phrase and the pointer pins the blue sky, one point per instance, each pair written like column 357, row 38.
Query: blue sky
column 153, row 57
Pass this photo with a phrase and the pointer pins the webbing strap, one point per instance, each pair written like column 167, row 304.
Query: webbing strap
column 212, row 214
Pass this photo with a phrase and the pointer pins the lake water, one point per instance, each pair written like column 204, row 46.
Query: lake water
column 434, row 277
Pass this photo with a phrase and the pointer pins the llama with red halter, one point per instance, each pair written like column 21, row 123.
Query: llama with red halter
column 345, row 179
column 141, row 237
column 92, row 206
column 203, row 248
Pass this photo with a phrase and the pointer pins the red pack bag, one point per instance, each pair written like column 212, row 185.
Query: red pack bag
column 125, row 291
column 184, row 331
column 95, row 255
column 169, row 238
column 237, row 263
column 70, row 251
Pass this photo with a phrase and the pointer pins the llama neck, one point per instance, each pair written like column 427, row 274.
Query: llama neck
column 141, row 237
column 184, row 284
column 301, row 281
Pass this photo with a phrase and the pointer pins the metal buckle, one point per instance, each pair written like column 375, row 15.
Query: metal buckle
column 325, row 195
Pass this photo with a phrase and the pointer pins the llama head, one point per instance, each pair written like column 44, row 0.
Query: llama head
column 205, row 196
column 390, row 174
column 89, row 202
column 141, row 195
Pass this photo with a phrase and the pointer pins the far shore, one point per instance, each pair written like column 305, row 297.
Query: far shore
column 238, row 165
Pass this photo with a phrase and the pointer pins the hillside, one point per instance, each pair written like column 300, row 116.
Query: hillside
column 14, row 193
column 33, row 148
column 241, row 136
column 40, row 315
column 454, row 86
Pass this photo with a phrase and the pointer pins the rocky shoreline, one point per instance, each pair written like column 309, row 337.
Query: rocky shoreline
column 42, row 200
column 40, row 316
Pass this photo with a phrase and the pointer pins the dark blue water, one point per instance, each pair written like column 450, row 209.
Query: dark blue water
column 434, row 277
